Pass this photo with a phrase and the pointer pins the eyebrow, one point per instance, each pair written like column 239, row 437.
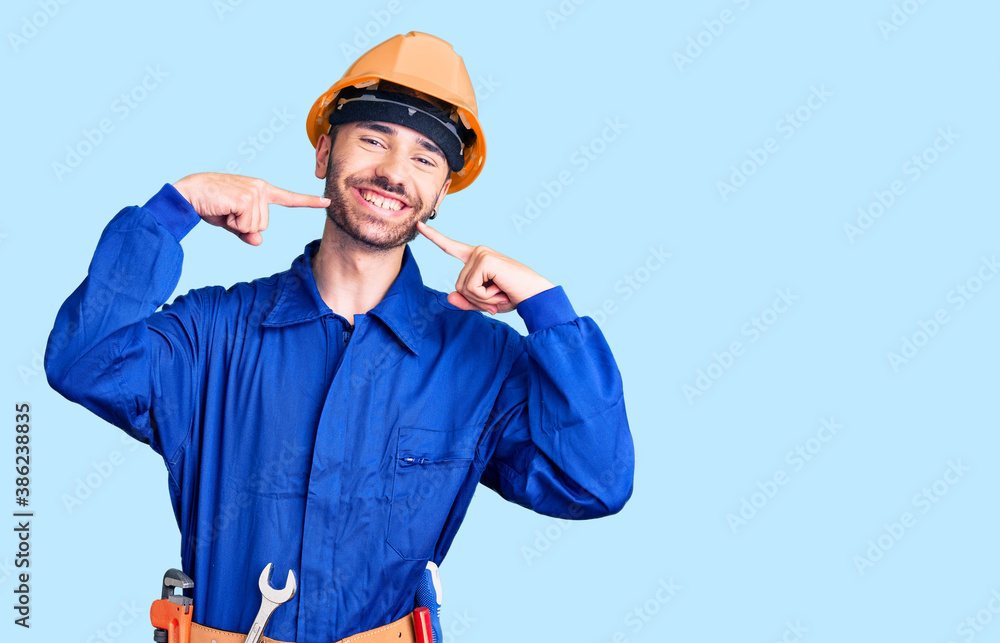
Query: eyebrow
column 391, row 131
column 377, row 127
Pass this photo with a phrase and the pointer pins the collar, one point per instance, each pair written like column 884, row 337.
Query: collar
column 299, row 300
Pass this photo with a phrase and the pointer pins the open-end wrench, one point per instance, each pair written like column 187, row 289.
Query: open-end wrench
column 270, row 598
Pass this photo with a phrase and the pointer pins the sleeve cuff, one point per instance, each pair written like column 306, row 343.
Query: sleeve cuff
column 172, row 211
column 546, row 309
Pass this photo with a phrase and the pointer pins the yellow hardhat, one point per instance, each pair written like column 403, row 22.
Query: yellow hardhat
column 423, row 63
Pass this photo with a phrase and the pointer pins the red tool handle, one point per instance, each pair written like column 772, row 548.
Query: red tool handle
column 422, row 625
column 175, row 619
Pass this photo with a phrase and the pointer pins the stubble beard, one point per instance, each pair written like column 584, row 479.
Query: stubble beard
column 366, row 229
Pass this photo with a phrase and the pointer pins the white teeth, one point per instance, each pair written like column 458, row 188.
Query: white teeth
column 384, row 203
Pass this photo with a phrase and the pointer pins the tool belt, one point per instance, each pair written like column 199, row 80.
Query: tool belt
column 401, row 631
column 172, row 617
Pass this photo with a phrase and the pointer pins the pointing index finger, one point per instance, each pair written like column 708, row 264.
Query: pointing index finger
column 280, row 196
column 456, row 249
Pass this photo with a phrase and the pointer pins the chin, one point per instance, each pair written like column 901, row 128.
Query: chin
column 376, row 237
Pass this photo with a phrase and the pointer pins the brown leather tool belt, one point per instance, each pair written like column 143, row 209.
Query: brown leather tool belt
column 412, row 628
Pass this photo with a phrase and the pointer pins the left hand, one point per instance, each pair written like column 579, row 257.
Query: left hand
column 490, row 281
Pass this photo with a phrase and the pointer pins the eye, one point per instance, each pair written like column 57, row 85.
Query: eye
column 426, row 161
column 373, row 141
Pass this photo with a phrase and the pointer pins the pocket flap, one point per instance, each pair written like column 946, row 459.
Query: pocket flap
column 438, row 444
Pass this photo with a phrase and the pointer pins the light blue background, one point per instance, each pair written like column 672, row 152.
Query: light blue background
column 547, row 88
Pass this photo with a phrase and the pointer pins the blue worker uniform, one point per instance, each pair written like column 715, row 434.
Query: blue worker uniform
column 348, row 453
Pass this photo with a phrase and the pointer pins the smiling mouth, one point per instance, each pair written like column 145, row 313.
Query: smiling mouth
column 381, row 201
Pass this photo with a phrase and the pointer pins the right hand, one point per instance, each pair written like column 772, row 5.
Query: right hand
column 239, row 203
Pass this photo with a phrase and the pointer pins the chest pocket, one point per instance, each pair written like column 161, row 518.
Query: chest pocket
column 431, row 467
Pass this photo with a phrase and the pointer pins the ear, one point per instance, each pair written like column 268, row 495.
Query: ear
column 323, row 148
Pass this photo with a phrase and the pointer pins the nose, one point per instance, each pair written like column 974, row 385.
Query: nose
column 392, row 167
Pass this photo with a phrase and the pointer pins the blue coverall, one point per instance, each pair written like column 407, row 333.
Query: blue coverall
column 347, row 454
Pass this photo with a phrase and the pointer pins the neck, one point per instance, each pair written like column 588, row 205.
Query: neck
column 352, row 278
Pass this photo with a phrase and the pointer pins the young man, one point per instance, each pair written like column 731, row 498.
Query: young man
column 335, row 419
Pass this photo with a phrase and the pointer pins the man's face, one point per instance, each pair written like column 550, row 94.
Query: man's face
column 381, row 179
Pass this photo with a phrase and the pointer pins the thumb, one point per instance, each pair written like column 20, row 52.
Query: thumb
column 253, row 238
